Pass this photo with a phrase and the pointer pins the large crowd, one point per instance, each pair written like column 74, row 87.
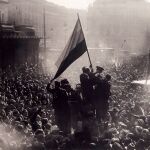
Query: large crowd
column 30, row 119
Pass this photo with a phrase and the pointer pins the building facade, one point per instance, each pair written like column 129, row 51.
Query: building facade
column 117, row 21
column 59, row 21
column 3, row 11
column 26, row 12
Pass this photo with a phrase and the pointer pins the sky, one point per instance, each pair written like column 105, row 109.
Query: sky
column 76, row 4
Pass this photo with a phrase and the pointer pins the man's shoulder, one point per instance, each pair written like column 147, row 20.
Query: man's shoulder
column 63, row 91
column 83, row 75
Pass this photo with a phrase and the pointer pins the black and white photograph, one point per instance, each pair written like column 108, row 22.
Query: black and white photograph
column 74, row 74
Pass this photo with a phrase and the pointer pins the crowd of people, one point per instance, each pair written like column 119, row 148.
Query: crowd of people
column 25, row 105
column 104, row 111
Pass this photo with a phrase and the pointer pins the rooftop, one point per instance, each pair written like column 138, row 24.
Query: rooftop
column 3, row 1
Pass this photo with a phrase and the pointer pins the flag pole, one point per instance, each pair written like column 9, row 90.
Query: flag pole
column 87, row 48
column 89, row 59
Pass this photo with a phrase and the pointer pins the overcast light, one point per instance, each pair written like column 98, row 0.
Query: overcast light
column 77, row 4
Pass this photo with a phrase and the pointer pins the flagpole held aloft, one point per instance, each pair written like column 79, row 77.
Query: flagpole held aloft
column 89, row 59
column 87, row 48
column 75, row 47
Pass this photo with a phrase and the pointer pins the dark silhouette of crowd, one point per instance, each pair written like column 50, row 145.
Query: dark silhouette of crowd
column 104, row 111
column 69, row 104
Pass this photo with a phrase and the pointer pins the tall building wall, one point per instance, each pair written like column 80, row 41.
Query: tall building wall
column 3, row 11
column 119, row 20
column 59, row 21
column 26, row 12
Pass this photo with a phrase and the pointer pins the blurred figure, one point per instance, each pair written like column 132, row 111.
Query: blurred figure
column 61, row 106
column 75, row 103
column 102, row 93
column 86, row 80
column 98, row 72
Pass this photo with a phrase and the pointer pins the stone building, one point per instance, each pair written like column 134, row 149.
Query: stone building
column 58, row 19
column 26, row 12
column 3, row 11
column 119, row 20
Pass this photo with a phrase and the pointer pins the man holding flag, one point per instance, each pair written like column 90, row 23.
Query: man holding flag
column 75, row 47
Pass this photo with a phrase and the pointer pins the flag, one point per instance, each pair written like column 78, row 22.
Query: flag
column 75, row 47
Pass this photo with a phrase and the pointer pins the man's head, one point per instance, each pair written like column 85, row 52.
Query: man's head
column 85, row 70
column 64, row 81
column 108, row 77
column 67, row 87
column 57, row 84
column 99, row 69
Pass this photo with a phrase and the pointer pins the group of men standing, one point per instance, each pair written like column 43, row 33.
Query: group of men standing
column 96, row 90
column 68, row 103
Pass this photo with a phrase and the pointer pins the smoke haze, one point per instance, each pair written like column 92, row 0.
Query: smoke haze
column 119, row 20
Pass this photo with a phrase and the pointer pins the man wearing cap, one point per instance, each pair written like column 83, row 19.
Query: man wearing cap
column 102, row 93
column 98, row 81
column 98, row 72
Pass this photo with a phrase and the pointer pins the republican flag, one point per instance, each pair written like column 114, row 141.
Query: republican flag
column 75, row 47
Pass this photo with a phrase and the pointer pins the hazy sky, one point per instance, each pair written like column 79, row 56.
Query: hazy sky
column 79, row 4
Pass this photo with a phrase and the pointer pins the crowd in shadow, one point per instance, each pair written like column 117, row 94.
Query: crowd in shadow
column 101, row 112
column 90, row 96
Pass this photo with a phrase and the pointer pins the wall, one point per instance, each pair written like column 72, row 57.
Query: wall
column 3, row 11
column 119, row 20
column 25, row 12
